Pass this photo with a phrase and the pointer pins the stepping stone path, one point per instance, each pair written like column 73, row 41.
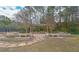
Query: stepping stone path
column 33, row 38
column 37, row 38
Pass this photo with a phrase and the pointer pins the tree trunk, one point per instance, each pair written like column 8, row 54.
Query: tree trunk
column 60, row 23
column 47, row 28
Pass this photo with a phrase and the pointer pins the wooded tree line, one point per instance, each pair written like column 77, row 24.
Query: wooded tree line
column 50, row 18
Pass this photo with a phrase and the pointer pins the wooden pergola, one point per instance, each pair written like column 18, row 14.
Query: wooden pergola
column 47, row 27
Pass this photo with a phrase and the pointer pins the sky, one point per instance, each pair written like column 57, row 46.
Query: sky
column 10, row 10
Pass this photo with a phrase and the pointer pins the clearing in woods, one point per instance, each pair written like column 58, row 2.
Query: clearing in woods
column 40, row 42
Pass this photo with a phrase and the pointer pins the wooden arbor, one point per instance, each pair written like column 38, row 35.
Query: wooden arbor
column 41, row 28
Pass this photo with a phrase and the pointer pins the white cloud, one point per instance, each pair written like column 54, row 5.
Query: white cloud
column 8, row 11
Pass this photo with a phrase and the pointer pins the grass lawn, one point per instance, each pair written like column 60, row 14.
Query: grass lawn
column 50, row 45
